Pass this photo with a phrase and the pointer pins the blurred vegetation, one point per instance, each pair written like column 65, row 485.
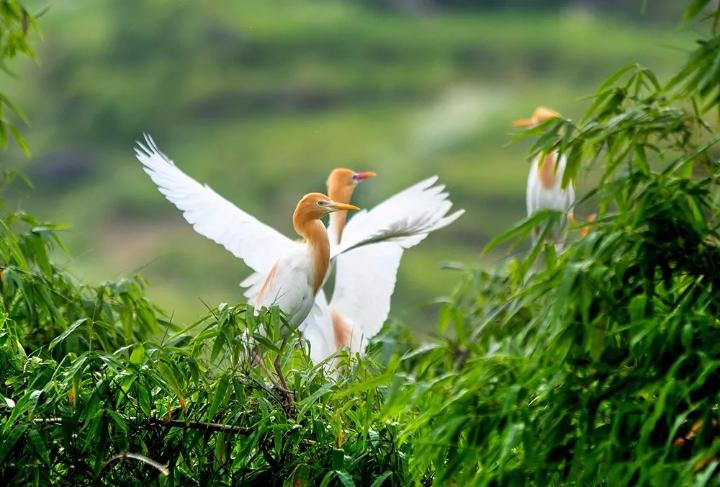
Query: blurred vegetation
column 262, row 99
column 598, row 365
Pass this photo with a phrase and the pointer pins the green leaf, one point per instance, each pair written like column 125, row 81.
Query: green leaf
column 327, row 478
column 310, row 400
column 138, row 354
column 512, row 439
column 119, row 421
column 345, row 478
column 380, row 479
column 338, row 458
column 613, row 78
column 38, row 444
column 168, row 373
column 25, row 406
column 217, row 346
column 520, row 231
column 8, row 441
column 143, row 397
column 695, row 7
column 19, row 139
column 219, row 397
column 70, row 330
column 687, row 337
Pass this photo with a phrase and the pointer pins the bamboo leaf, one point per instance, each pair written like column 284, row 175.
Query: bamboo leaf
column 69, row 331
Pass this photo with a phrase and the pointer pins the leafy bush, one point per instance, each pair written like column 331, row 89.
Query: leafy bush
column 15, row 24
column 598, row 364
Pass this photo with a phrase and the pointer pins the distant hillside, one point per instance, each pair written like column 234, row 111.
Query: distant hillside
column 261, row 100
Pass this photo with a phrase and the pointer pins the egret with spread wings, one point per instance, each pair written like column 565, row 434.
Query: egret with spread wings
column 289, row 273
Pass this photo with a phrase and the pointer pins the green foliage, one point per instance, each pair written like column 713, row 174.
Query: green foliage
column 15, row 24
column 597, row 364
column 198, row 405
column 45, row 302
column 600, row 366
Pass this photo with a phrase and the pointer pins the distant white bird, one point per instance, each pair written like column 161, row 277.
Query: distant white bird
column 544, row 184
column 365, row 277
column 288, row 273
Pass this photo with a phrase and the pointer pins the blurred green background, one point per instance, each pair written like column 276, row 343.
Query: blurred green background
column 262, row 98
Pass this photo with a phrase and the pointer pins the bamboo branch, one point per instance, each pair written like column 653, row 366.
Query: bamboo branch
column 134, row 456
column 172, row 423
column 177, row 423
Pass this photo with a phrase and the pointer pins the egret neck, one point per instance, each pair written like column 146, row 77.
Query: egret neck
column 547, row 171
column 307, row 224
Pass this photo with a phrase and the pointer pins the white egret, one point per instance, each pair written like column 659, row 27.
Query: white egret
column 365, row 277
column 544, row 184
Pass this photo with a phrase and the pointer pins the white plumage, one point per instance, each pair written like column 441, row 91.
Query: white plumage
column 544, row 184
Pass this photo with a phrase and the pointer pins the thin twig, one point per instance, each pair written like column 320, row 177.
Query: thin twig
column 177, row 423
column 132, row 456
column 173, row 423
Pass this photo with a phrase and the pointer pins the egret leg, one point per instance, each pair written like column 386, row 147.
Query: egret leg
column 278, row 367
column 258, row 361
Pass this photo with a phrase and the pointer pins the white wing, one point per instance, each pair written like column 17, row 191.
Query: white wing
column 405, row 218
column 365, row 277
column 364, row 284
column 213, row 216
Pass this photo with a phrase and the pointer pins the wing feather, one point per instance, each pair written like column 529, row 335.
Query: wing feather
column 405, row 218
column 366, row 273
column 211, row 215
column 364, row 285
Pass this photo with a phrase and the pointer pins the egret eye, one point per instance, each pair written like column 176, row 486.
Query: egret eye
column 322, row 203
column 355, row 177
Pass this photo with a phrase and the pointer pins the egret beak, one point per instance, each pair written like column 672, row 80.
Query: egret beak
column 335, row 206
column 362, row 176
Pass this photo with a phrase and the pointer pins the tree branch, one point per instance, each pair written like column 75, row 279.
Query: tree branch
column 134, row 456
column 172, row 423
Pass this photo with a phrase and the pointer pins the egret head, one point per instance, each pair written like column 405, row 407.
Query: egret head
column 540, row 115
column 314, row 206
column 342, row 182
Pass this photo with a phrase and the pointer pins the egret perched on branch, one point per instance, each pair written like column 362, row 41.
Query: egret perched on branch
column 544, row 184
column 365, row 277
column 288, row 273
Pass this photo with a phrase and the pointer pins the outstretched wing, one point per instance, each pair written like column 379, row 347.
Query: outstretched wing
column 365, row 275
column 211, row 215
column 404, row 219
column 364, row 284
